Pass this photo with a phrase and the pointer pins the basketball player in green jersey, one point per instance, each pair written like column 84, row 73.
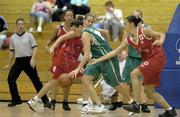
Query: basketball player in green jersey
column 96, row 46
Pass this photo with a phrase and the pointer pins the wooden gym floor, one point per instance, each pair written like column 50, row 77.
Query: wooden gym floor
column 24, row 111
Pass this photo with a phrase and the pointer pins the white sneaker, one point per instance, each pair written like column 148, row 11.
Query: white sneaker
column 98, row 110
column 87, row 108
column 36, row 106
column 39, row 29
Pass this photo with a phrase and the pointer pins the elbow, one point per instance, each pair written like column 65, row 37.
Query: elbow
column 87, row 57
column 162, row 37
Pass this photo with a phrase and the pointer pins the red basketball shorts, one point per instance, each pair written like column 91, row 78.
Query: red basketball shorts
column 151, row 70
column 60, row 69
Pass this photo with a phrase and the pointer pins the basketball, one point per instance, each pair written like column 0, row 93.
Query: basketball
column 65, row 82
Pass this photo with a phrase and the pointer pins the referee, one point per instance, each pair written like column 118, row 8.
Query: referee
column 23, row 47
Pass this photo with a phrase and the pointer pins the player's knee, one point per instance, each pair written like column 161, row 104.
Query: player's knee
column 86, row 81
column 65, row 82
column 148, row 93
column 133, row 75
column 63, row 85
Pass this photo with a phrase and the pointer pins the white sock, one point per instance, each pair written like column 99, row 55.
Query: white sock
column 50, row 99
column 85, row 102
column 36, row 98
column 170, row 108
column 130, row 101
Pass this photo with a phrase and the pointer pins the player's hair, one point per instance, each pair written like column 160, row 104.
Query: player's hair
column 133, row 19
column 78, row 21
column 69, row 10
column 79, row 17
column 90, row 15
column 140, row 12
column 109, row 3
column 19, row 19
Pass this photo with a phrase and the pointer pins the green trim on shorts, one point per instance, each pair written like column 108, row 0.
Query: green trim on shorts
column 130, row 65
column 109, row 70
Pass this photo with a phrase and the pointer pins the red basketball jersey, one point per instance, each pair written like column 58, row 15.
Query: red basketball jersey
column 68, row 52
column 56, row 50
column 144, row 45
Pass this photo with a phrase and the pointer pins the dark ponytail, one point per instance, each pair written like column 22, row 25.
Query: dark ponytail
column 79, row 17
column 78, row 21
column 134, row 19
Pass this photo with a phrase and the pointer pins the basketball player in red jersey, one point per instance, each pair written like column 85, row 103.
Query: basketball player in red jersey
column 59, row 31
column 149, row 45
column 65, row 59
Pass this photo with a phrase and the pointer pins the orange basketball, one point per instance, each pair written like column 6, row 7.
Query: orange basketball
column 65, row 82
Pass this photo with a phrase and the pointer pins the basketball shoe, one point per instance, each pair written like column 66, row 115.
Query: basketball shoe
column 36, row 105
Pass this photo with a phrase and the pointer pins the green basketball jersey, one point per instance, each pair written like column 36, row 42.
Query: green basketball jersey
column 132, row 52
column 108, row 68
column 99, row 47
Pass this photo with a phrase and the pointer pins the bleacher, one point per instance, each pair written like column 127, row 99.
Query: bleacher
column 157, row 13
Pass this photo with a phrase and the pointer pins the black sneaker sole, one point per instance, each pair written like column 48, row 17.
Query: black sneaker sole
column 145, row 111
column 67, row 109
column 112, row 109
column 168, row 116
column 14, row 105
column 135, row 111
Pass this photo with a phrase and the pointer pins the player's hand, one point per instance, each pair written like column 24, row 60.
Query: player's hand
column 157, row 42
column 92, row 62
column 81, row 70
column 46, row 49
column 73, row 74
column 51, row 50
